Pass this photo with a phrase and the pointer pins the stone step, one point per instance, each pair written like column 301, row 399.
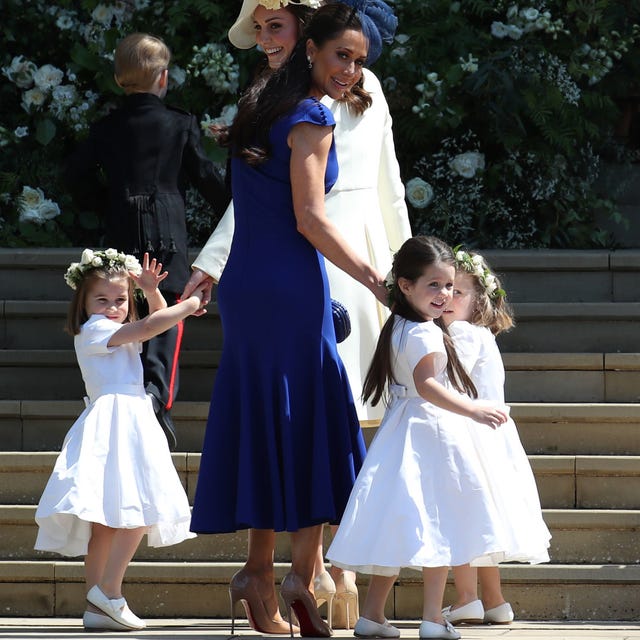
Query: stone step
column 53, row 374
column 544, row 428
column 543, row 275
column 558, row 275
column 588, row 327
column 564, row 481
column 594, row 536
column 179, row 590
column 39, row 324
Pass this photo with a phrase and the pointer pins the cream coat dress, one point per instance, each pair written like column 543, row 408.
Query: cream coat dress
column 367, row 206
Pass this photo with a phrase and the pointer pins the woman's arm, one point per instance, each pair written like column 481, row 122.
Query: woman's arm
column 310, row 145
column 432, row 391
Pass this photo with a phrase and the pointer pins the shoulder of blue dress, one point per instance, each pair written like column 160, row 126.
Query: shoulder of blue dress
column 325, row 115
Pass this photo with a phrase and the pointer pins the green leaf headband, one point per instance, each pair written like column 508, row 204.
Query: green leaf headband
column 476, row 266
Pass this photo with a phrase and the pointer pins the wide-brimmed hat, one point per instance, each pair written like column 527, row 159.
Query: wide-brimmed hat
column 242, row 34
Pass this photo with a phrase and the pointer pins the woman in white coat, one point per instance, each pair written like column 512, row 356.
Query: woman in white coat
column 367, row 206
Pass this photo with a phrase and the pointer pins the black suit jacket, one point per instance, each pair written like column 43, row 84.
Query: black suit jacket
column 148, row 152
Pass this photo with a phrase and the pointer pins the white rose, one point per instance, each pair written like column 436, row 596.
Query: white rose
column 20, row 72
column 47, row 77
column 30, row 215
column 515, row 33
column 31, row 198
column 499, row 30
column 33, row 98
column 419, row 193
column 402, row 38
column 491, row 283
column 102, row 14
column 460, row 256
column 87, row 257
column 530, row 13
column 96, row 262
column 132, row 264
column 111, row 254
column 466, row 164
column 477, row 260
column 48, row 210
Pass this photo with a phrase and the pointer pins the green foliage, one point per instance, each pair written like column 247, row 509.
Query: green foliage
column 528, row 94
column 503, row 113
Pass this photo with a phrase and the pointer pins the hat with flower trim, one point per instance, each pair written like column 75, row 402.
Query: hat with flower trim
column 242, row 34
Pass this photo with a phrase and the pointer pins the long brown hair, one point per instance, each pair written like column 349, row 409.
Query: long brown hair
column 415, row 255
column 77, row 314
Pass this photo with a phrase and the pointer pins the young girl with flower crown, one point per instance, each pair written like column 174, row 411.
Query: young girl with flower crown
column 114, row 479
column 422, row 498
column 477, row 313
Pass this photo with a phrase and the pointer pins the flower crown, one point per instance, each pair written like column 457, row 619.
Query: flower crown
column 476, row 266
column 107, row 259
column 274, row 5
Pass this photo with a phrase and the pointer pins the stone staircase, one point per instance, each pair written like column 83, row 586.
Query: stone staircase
column 573, row 381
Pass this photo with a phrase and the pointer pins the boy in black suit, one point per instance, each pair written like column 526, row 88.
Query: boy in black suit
column 147, row 152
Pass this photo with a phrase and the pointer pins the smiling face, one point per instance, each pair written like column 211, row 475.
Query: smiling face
column 463, row 301
column 337, row 64
column 277, row 32
column 431, row 293
column 108, row 297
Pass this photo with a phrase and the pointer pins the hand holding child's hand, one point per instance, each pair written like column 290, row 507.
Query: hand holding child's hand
column 489, row 415
column 151, row 275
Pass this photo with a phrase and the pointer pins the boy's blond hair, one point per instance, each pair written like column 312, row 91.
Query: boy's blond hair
column 139, row 59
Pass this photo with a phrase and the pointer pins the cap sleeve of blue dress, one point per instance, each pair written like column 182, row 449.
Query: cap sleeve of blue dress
column 424, row 338
column 312, row 111
column 95, row 334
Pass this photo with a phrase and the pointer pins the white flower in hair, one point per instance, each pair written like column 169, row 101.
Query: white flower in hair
column 111, row 254
column 108, row 259
column 87, row 257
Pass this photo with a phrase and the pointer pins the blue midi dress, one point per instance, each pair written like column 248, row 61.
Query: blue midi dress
column 283, row 444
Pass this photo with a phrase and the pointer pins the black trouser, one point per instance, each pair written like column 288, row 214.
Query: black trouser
column 160, row 357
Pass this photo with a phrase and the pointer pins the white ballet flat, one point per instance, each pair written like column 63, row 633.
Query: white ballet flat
column 365, row 628
column 470, row 613
column 502, row 614
column 444, row 631
column 93, row 621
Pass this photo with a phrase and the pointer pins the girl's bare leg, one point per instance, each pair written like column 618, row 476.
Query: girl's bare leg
column 491, row 587
column 377, row 594
column 465, row 578
column 435, row 580
column 123, row 547
column 97, row 554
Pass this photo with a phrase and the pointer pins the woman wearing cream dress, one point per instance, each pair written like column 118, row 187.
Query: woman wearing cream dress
column 367, row 206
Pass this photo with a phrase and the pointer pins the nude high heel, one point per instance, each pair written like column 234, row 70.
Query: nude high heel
column 346, row 610
column 296, row 596
column 244, row 587
column 324, row 589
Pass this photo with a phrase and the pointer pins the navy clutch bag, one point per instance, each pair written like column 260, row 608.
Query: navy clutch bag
column 341, row 321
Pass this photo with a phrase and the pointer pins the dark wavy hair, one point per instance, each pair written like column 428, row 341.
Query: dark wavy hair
column 274, row 95
column 411, row 260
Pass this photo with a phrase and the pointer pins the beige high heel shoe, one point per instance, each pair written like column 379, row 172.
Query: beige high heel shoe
column 346, row 610
column 324, row 590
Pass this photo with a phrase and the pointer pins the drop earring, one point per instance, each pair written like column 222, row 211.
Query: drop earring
column 310, row 63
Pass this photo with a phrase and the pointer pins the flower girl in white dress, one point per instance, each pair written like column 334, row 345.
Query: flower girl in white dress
column 477, row 313
column 114, row 479
column 422, row 498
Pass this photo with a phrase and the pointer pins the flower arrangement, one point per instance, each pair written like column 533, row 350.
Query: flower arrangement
column 506, row 129
column 108, row 259
column 474, row 264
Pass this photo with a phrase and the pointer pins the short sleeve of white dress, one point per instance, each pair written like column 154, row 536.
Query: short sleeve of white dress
column 422, row 339
column 467, row 342
column 94, row 336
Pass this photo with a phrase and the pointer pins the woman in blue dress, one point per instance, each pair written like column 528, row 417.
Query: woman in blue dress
column 283, row 444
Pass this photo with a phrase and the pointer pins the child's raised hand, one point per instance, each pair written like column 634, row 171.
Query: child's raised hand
column 491, row 416
column 151, row 276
